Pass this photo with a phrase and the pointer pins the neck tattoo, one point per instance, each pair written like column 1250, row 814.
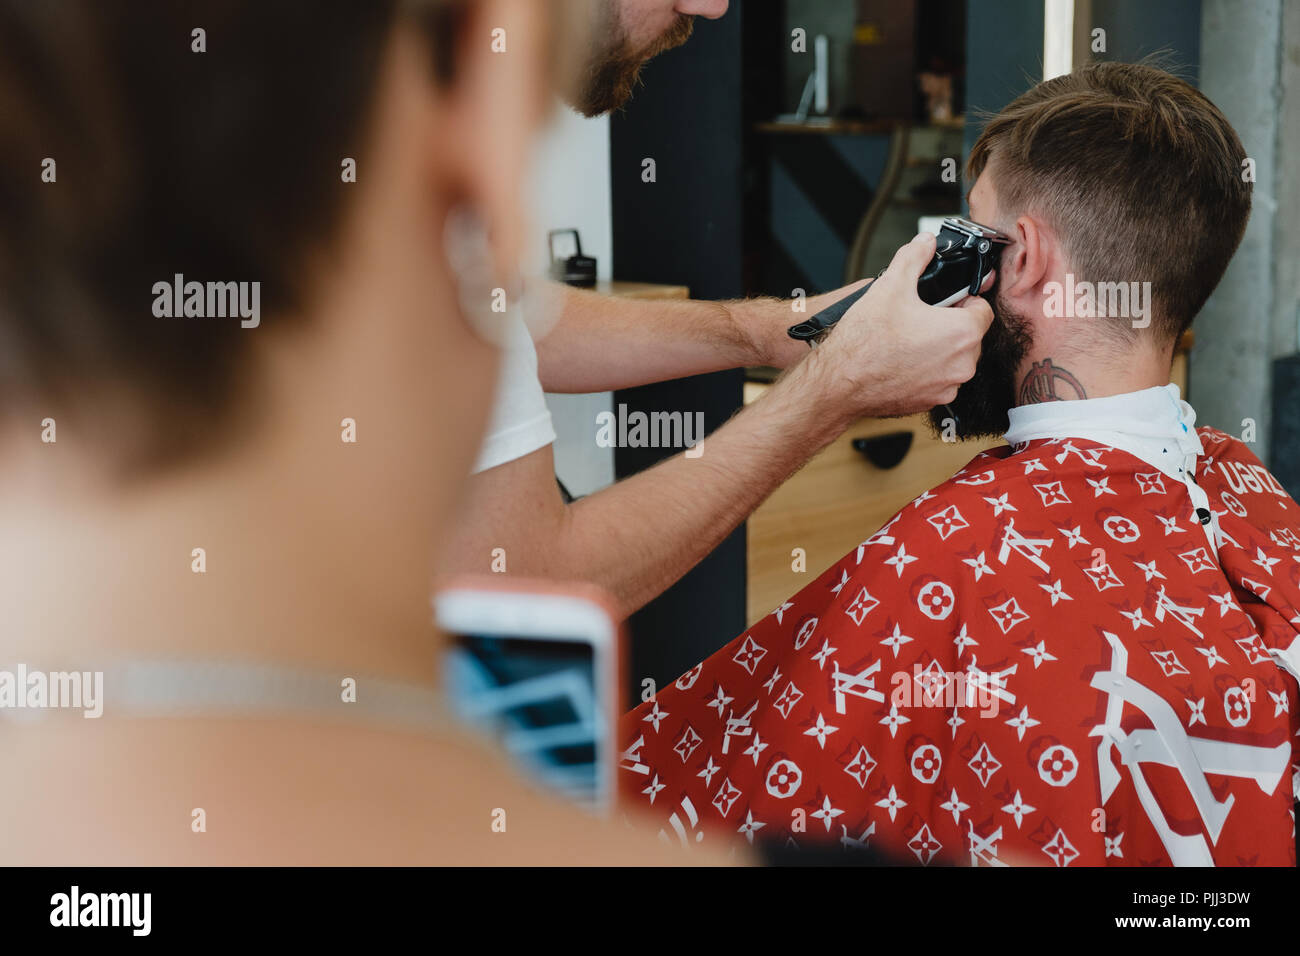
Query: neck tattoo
column 1046, row 382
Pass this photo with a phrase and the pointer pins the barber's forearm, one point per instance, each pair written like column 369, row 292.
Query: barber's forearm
column 602, row 342
column 639, row 536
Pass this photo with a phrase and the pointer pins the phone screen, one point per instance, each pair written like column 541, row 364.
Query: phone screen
column 539, row 698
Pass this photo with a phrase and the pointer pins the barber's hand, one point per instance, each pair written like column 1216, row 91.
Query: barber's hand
column 891, row 354
column 776, row 348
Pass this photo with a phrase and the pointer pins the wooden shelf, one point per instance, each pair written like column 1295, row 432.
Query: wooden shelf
column 833, row 128
column 842, row 127
column 642, row 290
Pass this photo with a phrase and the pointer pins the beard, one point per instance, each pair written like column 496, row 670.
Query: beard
column 981, row 406
column 613, row 65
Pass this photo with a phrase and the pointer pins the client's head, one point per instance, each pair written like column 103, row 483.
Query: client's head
column 1124, row 193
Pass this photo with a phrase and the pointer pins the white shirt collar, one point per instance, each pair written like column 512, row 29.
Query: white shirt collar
column 1155, row 425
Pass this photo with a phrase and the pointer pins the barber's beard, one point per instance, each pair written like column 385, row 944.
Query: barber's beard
column 981, row 406
column 614, row 66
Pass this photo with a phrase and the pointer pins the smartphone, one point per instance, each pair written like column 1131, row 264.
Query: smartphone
column 536, row 667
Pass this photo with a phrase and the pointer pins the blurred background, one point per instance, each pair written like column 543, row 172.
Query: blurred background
column 798, row 143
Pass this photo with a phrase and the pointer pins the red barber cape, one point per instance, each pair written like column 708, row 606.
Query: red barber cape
column 1040, row 662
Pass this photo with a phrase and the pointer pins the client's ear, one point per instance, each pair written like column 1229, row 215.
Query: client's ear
column 1028, row 264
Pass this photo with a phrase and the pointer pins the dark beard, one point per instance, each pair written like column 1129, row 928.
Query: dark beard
column 981, row 406
column 613, row 67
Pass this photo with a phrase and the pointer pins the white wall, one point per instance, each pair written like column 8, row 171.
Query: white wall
column 571, row 190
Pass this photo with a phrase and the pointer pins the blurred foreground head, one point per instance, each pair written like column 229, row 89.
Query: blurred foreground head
column 284, row 143
column 337, row 155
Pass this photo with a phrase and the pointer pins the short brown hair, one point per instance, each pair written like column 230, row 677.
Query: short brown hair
column 1140, row 174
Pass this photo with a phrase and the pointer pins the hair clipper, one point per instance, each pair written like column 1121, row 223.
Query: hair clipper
column 965, row 253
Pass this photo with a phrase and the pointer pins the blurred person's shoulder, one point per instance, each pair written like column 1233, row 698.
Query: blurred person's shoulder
column 495, row 818
column 276, row 792
column 457, row 800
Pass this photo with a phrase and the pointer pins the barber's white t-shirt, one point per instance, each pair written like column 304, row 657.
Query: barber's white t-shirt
column 520, row 422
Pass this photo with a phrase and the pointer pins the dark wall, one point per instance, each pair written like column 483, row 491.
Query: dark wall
column 819, row 186
column 1286, row 423
column 1004, row 56
column 1134, row 30
column 1004, row 45
column 686, row 229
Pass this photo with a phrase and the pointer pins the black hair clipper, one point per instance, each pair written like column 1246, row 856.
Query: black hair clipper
column 965, row 253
